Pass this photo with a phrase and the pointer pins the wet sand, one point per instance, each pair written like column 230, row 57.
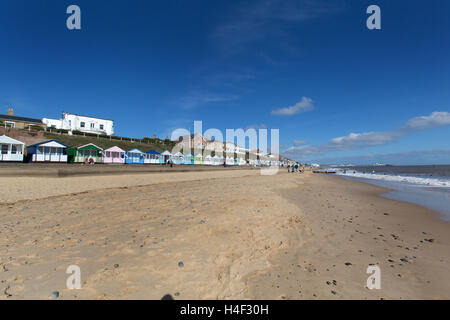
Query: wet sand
column 216, row 235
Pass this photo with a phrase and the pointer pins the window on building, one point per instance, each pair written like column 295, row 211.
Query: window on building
column 92, row 125
column 10, row 124
column 101, row 127
column 13, row 149
column 4, row 148
column 82, row 124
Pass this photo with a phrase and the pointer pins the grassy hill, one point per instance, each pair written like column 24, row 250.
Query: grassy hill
column 105, row 143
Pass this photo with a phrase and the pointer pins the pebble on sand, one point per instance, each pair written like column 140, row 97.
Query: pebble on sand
column 181, row 264
column 55, row 294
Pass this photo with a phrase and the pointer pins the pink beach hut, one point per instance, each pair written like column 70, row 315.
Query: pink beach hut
column 114, row 155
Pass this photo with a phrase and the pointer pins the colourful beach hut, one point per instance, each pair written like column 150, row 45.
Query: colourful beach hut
column 89, row 153
column 47, row 151
column 216, row 160
column 189, row 159
column 178, row 158
column 165, row 156
column 198, row 159
column 114, row 155
column 134, row 156
column 208, row 160
column 229, row 161
column 152, row 157
column 11, row 149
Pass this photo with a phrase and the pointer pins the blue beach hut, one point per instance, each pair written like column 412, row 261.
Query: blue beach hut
column 152, row 157
column 189, row 159
column 134, row 156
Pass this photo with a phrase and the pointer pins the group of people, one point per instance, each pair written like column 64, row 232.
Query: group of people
column 294, row 168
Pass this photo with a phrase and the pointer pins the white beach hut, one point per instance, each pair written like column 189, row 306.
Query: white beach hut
column 47, row 151
column 11, row 149
column 217, row 160
column 230, row 161
column 178, row 158
column 207, row 160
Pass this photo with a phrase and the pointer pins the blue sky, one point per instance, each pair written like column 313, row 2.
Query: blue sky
column 337, row 91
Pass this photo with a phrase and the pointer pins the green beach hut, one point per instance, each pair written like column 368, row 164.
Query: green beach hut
column 89, row 153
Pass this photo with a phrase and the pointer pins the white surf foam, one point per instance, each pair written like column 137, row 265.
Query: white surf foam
column 425, row 181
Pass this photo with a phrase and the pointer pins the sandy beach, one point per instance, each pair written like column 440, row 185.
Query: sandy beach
column 230, row 234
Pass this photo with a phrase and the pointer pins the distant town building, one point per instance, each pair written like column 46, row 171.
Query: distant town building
column 74, row 122
column 9, row 120
column 192, row 141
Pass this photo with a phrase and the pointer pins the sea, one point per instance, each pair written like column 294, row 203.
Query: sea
column 427, row 185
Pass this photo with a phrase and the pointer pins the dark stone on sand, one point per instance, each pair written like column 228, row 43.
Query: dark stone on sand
column 116, row 265
column 167, row 297
column 348, row 264
column 181, row 264
column 176, row 294
column 55, row 294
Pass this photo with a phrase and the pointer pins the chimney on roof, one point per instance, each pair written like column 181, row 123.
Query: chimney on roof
column 10, row 112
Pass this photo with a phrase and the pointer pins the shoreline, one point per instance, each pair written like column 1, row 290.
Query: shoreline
column 430, row 198
column 239, row 235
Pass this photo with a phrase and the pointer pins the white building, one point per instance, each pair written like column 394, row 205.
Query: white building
column 76, row 122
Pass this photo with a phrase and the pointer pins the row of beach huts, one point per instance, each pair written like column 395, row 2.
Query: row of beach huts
column 53, row 151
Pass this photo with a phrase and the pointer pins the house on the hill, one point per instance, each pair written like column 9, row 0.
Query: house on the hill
column 9, row 120
column 11, row 149
column 47, row 151
column 75, row 122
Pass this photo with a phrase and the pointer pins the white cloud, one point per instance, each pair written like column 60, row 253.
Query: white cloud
column 354, row 141
column 434, row 120
column 306, row 104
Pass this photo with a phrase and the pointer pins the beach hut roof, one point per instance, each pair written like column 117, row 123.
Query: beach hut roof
column 152, row 152
column 6, row 139
column 166, row 153
column 50, row 143
column 90, row 146
column 115, row 149
column 135, row 151
column 178, row 154
column 208, row 156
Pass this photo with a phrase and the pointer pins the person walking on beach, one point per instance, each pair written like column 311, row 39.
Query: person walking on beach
column 293, row 168
column 289, row 168
column 296, row 167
